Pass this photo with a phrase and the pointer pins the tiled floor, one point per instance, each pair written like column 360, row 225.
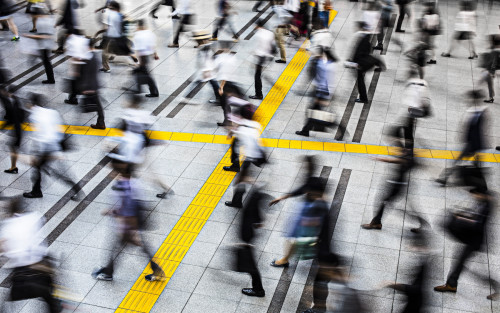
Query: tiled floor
column 203, row 281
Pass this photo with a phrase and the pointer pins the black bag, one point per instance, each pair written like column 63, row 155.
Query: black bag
column 169, row 3
column 472, row 176
column 464, row 226
column 90, row 103
column 245, row 262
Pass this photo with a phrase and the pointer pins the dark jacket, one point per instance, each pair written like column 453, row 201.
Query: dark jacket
column 251, row 215
column 474, row 136
column 362, row 53
column 88, row 74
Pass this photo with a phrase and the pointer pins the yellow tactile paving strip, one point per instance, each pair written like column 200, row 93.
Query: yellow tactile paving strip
column 143, row 294
column 278, row 143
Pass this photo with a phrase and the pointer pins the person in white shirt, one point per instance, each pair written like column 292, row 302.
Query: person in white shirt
column 184, row 10
column 465, row 29
column 48, row 140
column 206, row 61
column 20, row 242
column 145, row 47
column 264, row 47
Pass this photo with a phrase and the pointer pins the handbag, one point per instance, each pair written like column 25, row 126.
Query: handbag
column 90, row 103
column 321, row 117
column 245, row 262
column 464, row 226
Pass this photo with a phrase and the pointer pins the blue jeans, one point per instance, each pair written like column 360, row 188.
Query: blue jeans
column 323, row 17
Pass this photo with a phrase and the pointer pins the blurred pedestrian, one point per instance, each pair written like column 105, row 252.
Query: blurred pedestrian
column 265, row 47
column 384, row 22
column 48, row 141
column 7, row 9
column 430, row 26
column 69, row 24
column 206, row 62
column 403, row 10
column 20, row 243
column 475, row 137
column 44, row 38
column 224, row 18
column 185, row 12
column 145, row 49
column 170, row 3
column 14, row 117
column 465, row 29
column 281, row 30
column 490, row 63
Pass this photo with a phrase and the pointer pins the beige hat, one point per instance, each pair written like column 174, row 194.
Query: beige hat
column 201, row 34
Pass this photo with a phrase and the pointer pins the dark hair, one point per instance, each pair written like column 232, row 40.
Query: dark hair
column 260, row 22
column 246, row 111
column 36, row 99
column 317, row 184
column 114, row 5
column 361, row 25
column 135, row 100
column 140, row 23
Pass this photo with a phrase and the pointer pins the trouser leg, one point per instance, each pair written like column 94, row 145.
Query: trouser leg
column 220, row 23
column 182, row 22
column 105, row 55
column 394, row 191
column 254, row 272
column 239, row 191
column 37, row 175
column 402, row 12
column 320, row 289
column 100, row 113
column 280, row 31
column 215, row 88
column 361, row 86
column 153, row 89
column 235, row 156
column 49, row 71
column 491, row 86
column 258, row 80
column 459, row 265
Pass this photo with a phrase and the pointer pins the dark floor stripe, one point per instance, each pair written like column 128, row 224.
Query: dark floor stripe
column 189, row 96
column 287, row 274
column 37, row 75
column 252, row 21
column 365, row 111
column 6, row 283
column 339, row 135
column 31, row 69
column 307, row 294
column 252, row 33
column 174, row 95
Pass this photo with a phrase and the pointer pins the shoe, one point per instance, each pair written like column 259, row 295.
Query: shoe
column 360, row 101
column 104, row 70
column 236, row 39
column 376, row 226
column 441, row 181
column 400, row 31
column 280, row 61
column 78, row 196
column 173, row 45
column 252, row 293
column 213, row 101
column 48, row 82
column 68, row 101
column 472, row 57
column 445, row 288
column 431, row 62
column 151, row 96
column 446, row 55
column 416, row 230
column 32, row 195
column 489, row 100
column 256, row 97
column 494, row 296
column 223, row 124
column 302, row 133
column 273, row 264
column 33, row 30
column 233, row 205
column 155, row 277
column 15, row 38
column 14, row 170
column 161, row 195
column 99, row 275
column 95, row 126
column 378, row 47
column 176, row 17
column 231, row 168
column 58, row 51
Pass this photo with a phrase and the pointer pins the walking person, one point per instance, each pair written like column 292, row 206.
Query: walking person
column 281, row 30
column 384, row 22
column 44, row 38
column 465, row 29
column 403, row 10
column 185, row 12
column 32, row 271
column 264, row 50
column 14, row 117
column 7, row 8
column 145, row 49
column 224, row 17
column 430, row 26
column 47, row 142
column 170, row 3
column 206, row 62
column 490, row 62
column 68, row 23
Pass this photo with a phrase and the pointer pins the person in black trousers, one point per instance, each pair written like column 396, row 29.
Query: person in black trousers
column 362, row 56
column 474, row 135
column 251, row 220
column 14, row 116
column 145, row 48
column 170, row 3
column 403, row 10
column 474, row 243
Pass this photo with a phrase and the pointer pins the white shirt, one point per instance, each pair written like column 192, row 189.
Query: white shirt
column 248, row 134
column 183, row 7
column 78, row 47
column 371, row 18
column 292, row 5
column 466, row 21
column 114, row 24
column 48, row 135
column 226, row 66
column 264, row 40
column 206, row 62
column 144, row 42
column 46, row 26
column 21, row 240
column 321, row 38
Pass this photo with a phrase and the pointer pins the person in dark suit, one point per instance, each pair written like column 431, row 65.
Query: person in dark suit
column 365, row 60
column 14, row 116
column 474, row 135
column 251, row 220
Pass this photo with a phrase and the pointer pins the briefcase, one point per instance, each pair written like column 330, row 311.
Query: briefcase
column 90, row 103
column 321, row 117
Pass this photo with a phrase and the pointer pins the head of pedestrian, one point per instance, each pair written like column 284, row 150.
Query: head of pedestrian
column 260, row 23
column 475, row 97
column 317, row 186
column 361, row 26
column 35, row 99
column 115, row 6
column 134, row 101
column 15, row 206
column 141, row 25
column 247, row 111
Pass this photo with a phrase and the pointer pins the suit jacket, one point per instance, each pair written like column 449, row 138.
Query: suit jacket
column 88, row 74
column 362, row 53
column 251, row 216
column 474, row 136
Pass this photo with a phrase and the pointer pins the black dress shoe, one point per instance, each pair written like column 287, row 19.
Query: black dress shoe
column 253, row 293
column 256, row 97
column 68, row 101
column 233, row 205
column 231, row 168
column 151, row 96
column 48, row 82
column 273, row 264
column 360, row 101
column 497, row 148
column 32, row 195
column 95, row 126
column 302, row 133
column 400, row 31
column 161, row 195
column 491, row 100
column 431, row 62
column 15, row 170
column 224, row 124
column 378, row 47
column 280, row 61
